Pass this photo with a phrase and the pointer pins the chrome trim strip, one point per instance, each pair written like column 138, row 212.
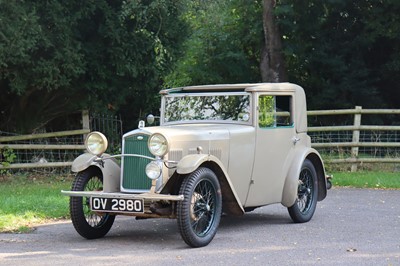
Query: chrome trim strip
column 135, row 155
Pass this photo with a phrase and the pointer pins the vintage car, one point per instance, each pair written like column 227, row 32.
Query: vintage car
column 219, row 149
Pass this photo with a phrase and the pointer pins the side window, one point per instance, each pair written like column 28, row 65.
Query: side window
column 266, row 106
column 275, row 111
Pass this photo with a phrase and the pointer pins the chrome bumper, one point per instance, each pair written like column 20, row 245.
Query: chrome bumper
column 144, row 196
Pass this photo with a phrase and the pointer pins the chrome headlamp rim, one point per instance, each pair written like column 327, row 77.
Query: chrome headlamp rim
column 153, row 170
column 96, row 143
column 158, row 144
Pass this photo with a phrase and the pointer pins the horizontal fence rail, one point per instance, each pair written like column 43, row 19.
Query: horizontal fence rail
column 45, row 135
column 354, row 111
column 36, row 165
column 352, row 128
column 356, row 144
column 41, row 147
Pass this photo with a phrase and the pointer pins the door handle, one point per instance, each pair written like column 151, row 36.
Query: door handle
column 295, row 140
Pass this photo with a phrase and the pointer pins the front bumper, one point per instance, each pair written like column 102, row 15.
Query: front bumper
column 154, row 205
column 145, row 196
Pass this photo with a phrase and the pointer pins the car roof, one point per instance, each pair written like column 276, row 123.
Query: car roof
column 248, row 87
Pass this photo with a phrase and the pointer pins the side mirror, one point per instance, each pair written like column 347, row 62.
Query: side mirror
column 150, row 119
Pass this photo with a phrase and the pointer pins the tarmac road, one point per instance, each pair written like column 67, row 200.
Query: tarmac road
column 350, row 227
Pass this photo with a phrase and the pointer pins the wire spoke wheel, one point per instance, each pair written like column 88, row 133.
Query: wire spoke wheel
column 203, row 207
column 304, row 196
column 93, row 219
column 307, row 191
column 87, row 223
column 200, row 211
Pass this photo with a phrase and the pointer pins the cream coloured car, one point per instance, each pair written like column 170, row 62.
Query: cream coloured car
column 219, row 149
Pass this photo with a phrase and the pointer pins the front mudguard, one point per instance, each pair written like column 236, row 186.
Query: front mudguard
column 230, row 200
column 191, row 162
column 108, row 166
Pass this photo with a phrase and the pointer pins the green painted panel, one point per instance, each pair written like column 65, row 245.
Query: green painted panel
column 134, row 176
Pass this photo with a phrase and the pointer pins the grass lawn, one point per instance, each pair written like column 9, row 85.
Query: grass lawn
column 26, row 201
column 370, row 179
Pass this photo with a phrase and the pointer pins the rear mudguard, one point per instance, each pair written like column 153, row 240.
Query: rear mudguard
column 108, row 166
column 290, row 188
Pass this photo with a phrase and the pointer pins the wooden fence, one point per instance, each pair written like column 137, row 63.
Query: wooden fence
column 356, row 128
column 354, row 145
column 4, row 140
column 41, row 147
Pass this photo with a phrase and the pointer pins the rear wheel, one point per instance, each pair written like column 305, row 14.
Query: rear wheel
column 89, row 224
column 303, row 209
column 199, row 213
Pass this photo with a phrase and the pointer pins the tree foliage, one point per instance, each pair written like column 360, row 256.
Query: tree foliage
column 344, row 53
column 57, row 57
column 223, row 46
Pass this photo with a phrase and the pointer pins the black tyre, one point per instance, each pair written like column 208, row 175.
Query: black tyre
column 89, row 224
column 199, row 213
column 328, row 184
column 303, row 209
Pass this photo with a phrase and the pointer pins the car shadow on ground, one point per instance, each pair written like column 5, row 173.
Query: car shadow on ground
column 150, row 231
column 268, row 215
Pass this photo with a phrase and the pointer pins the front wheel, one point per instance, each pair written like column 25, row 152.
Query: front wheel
column 89, row 224
column 199, row 213
column 303, row 209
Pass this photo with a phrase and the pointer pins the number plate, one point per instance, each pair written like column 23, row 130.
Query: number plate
column 116, row 205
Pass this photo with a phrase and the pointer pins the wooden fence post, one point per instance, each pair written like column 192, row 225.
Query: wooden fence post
column 85, row 122
column 356, row 137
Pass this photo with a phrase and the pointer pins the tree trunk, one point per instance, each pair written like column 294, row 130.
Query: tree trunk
column 272, row 66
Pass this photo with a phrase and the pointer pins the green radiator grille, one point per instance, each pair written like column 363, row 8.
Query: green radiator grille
column 134, row 176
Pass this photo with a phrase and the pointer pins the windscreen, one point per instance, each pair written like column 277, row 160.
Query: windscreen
column 207, row 107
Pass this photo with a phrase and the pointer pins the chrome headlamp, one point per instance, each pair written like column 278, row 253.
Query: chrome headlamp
column 96, row 143
column 158, row 145
column 153, row 170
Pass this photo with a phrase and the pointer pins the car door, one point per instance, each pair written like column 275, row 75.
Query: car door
column 275, row 141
